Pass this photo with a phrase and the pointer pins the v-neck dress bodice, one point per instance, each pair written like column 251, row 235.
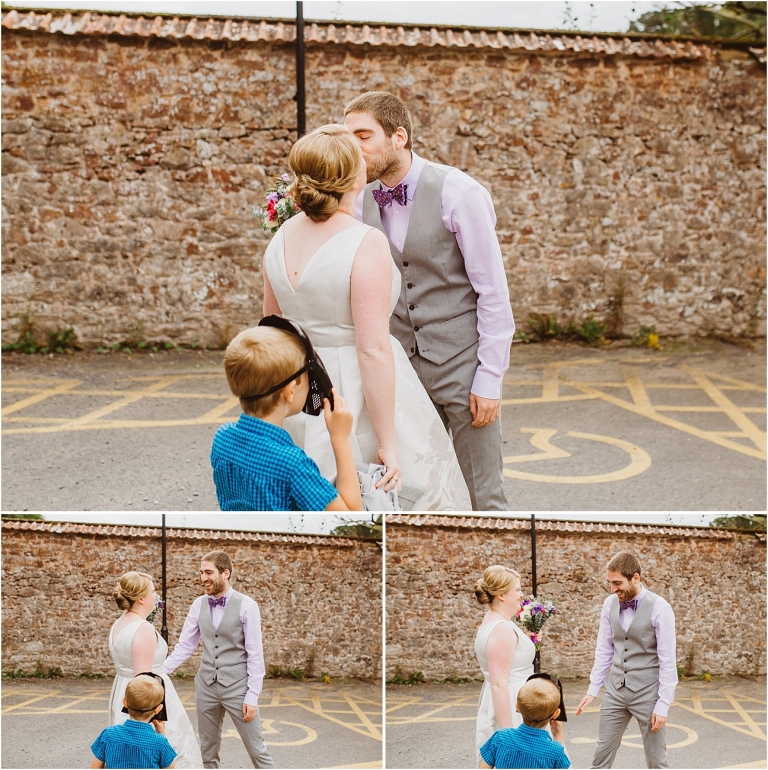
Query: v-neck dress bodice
column 321, row 302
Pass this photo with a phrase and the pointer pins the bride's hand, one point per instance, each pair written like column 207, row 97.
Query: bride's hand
column 394, row 476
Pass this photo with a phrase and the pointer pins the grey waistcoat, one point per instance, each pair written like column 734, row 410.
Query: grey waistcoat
column 224, row 655
column 437, row 308
column 635, row 660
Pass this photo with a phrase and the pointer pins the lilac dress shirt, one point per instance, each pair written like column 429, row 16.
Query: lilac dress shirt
column 251, row 620
column 467, row 211
column 663, row 621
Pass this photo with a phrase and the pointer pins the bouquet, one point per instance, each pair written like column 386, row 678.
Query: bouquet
column 533, row 614
column 159, row 605
column 280, row 206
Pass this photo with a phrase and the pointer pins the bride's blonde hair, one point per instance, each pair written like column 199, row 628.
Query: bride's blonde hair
column 495, row 580
column 131, row 587
column 326, row 163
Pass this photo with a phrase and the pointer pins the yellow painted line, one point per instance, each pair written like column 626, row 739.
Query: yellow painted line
column 742, row 384
column 15, row 706
column 422, row 720
column 670, row 422
column 751, row 409
column 114, row 393
column 639, row 462
column 375, row 732
column 317, row 709
column 707, row 715
column 426, row 717
column 117, row 424
column 758, row 763
column 542, row 400
column 549, row 385
column 410, row 702
column 539, row 440
column 748, row 721
column 375, row 763
column 38, row 397
column 754, row 433
column 220, row 410
column 65, row 707
column 163, row 382
column 637, row 391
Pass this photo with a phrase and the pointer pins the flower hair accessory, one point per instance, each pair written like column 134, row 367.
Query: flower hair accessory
column 280, row 206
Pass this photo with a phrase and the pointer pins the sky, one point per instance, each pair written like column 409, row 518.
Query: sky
column 323, row 523
column 599, row 16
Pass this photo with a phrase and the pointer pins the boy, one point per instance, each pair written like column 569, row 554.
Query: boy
column 256, row 465
column 134, row 743
column 530, row 745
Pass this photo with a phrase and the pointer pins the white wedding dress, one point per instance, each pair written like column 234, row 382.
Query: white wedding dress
column 321, row 304
column 519, row 671
column 178, row 728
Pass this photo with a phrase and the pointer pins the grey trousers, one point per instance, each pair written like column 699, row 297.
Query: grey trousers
column 212, row 702
column 478, row 449
column 618, row 707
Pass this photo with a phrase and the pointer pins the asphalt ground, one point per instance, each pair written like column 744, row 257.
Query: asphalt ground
column 52, row 723
column 617, row 428
column 718, row 724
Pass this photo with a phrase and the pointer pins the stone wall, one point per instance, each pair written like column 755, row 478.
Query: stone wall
column 320, row 597
column 715, row 582
column 625, row 187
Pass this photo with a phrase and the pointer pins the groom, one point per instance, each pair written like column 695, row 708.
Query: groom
column 232, row 668
column 453, row 317
column 635, row 658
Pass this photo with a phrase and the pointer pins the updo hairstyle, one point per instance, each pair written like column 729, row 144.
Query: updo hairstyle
column 495, row 580
column 131, row 587
column 326, row 163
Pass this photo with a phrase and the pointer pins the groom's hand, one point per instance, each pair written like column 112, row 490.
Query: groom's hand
column 657, row 722
column 484, row 410
column 249, row 712
column 585, row 701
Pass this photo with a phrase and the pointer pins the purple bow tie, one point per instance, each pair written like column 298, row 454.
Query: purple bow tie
column 385, row 197
column 630, row 605
column 214, row 602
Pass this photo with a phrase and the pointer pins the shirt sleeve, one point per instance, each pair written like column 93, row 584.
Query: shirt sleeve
column 167, row 755
column 310, row 491
column 663, row 622
column 188, row 640
column 473, row 220
column 603, row 651
column 251, row 620
column 563, row 761
column 488, row 751
column 99, row 749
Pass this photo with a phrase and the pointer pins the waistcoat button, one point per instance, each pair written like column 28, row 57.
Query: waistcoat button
column 415, row 328
column 410, row 285
column 411, row 307
column 405, row 264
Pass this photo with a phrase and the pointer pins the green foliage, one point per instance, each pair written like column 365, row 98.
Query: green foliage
column 544, row 326
column 64, row 339
column 615, row 318
column 25, row 516
column 401, row 677
column 366, row 530
column 590, row 331
column 750, row 522
column 646, row 337
column 278, row 672
column 59, row 340
column 39, row 673
column 742, row 21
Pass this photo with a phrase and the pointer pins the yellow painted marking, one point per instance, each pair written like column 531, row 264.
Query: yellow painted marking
column 637, row 391
column 756, row 436
column 540, row 400
column 38, row 397
column 700, row 712
column 164, row 394
column 744, row 714
column 669, row 421
column 758, row 763
column 410, row 702
column 639, row 461
column 690, row 737
column 374, row 731
column 751, row 409
column 541, row 441
column 116, row 424
column 221, row 409
column 375, row 763
column 317, row 709
column 549, row 385
column 65, row 707
column 15, row 706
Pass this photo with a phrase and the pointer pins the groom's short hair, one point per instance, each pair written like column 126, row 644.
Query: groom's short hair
column 388, row 111
column 626, row 563
column 220, row 560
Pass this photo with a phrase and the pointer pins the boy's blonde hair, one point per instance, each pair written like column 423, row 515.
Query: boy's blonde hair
column 256, row 360
column 537, row 701
column 143, row 694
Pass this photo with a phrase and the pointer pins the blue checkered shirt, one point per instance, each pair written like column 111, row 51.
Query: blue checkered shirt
column 524, row 747
column 256, row 467
column 133, row 744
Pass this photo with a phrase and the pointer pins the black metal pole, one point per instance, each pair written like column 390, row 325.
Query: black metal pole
column 301, row 125
column 537, row 656
column 164, row 629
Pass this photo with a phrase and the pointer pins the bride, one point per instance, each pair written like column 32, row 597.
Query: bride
column 136, row 647
column 335, row 277
column 504, row 652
